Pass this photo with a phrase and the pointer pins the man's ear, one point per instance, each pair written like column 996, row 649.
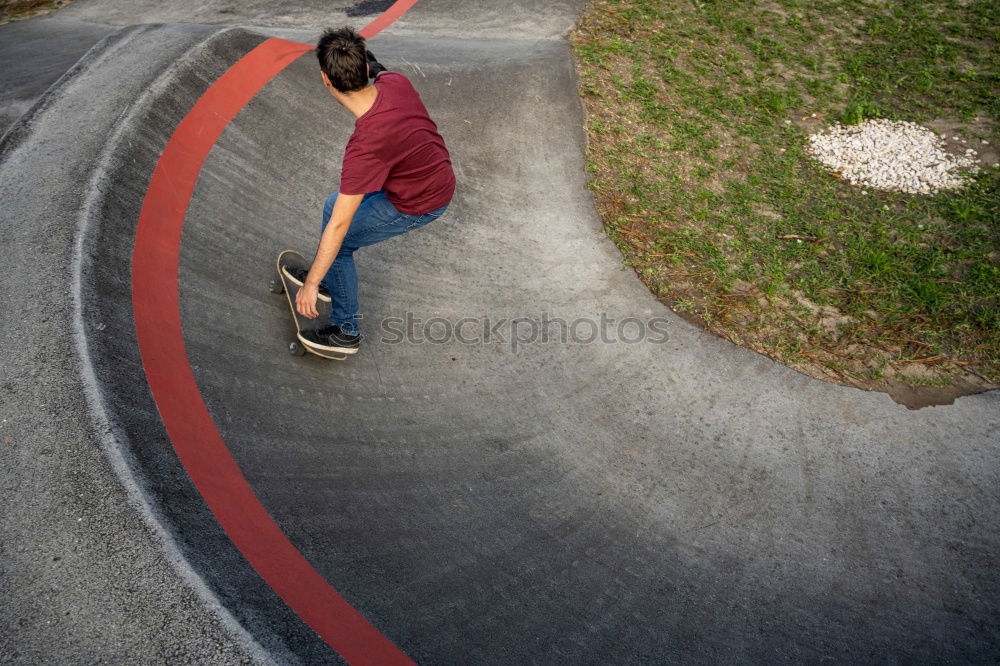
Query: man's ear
column 326, row 79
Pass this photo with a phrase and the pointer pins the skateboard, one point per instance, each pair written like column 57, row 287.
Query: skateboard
column 283, row 285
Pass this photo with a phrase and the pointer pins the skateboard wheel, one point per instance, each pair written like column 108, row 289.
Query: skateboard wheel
column 276, row 287
column 296, row 349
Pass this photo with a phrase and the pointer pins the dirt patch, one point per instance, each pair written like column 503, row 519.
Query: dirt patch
column 15, row 10
column 971, row 134
column 916, row 397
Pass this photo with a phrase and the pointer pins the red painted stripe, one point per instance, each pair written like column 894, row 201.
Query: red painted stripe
column 398, row 8
column 195, row 437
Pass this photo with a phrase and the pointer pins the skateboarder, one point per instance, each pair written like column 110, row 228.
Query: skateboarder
column 396, row 177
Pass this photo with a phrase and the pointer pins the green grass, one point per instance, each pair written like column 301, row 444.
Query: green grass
column 697, row 172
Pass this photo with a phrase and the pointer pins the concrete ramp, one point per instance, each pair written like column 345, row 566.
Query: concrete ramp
column 482, row 496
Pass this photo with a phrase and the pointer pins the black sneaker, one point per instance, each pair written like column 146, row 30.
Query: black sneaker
column 331, row 338
column 298, row 276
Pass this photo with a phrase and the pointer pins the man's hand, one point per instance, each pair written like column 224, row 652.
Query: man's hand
column 305, row 300
column 374, row 66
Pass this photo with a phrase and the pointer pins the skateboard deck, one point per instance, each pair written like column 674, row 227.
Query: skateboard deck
column 282, row 284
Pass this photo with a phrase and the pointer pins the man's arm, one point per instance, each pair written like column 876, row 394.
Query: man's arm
column 329, row 245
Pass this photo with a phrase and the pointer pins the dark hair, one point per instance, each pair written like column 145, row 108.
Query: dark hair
column 341, row 55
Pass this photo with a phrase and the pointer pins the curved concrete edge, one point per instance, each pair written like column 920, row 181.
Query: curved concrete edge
column 119, row 456
column 114, row 197
column 20, row 130
column 35, row 54
column 44, row 156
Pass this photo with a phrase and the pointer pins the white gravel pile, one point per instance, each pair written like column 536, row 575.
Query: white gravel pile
column 892, row 155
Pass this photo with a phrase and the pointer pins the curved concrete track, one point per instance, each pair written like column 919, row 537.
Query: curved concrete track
column 558, row 502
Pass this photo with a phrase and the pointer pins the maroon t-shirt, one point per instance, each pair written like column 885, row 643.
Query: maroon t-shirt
column 396, row 145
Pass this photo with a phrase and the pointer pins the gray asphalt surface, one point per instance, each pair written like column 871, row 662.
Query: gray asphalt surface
column 558, row 502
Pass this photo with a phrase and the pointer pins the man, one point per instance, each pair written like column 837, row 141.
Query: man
column 396, row 177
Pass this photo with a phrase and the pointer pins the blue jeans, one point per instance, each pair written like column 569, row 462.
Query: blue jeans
column 375, row 220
